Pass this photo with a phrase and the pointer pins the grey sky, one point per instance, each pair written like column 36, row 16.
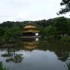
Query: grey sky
column 20, row 10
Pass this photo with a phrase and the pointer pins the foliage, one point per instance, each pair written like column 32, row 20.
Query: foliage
column 65, row 3
column 9, row 34
column 2, row 67
column 65, row 38
column 50, row 30
column 61, row 25
column 68, row 66
column 56, row 27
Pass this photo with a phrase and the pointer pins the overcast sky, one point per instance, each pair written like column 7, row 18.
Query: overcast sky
column 22, row 10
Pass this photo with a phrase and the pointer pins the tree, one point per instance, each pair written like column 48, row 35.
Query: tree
column 49, row 31
column 65, row 3
column 68, row 32
column 1, row 32
column 1, row 35
column 11, row 34
column 61, row 26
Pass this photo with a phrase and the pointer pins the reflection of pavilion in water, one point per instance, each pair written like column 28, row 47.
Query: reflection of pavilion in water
column 30, row 43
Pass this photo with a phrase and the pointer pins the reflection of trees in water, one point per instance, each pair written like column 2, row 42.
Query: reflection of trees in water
column 8, row 52
column 68, row 65
column 63, row 56
column 12, row 56
column 60, row 49
column 17, row 58
column 68, row 62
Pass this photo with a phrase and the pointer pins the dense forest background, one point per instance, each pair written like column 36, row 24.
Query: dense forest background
column 56, row 28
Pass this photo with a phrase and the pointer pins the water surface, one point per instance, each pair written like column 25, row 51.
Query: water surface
column 36, row 55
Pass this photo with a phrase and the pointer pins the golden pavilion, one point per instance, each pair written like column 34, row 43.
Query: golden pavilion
column 30, row 30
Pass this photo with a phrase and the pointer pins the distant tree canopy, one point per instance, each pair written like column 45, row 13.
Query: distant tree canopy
column 65, row 3
column 59, row 26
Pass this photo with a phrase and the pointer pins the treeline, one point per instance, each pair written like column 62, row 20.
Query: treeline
column 58, row 28
column 9, row 32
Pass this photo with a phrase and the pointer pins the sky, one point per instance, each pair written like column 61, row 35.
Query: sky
column 23, row 10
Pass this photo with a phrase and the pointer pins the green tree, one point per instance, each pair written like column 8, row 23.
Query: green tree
column 68, row 32
column 1, row 32
column 11, row 33
column 65, row 3
column 1, row 35
column 50, row 31
column 61, row 26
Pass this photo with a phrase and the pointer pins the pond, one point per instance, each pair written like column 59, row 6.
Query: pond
column 35, row 54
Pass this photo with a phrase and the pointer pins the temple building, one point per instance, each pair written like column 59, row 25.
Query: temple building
column 30, row 30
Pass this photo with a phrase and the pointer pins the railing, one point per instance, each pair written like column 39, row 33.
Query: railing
column 30, row 36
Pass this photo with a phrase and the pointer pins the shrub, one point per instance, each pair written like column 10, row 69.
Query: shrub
column 65, row 38
column 2, row 67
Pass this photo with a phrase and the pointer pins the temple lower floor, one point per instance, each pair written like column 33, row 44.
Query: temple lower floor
column 29, row 34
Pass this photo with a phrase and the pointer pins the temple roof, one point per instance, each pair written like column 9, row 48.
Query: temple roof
column 29, row 26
